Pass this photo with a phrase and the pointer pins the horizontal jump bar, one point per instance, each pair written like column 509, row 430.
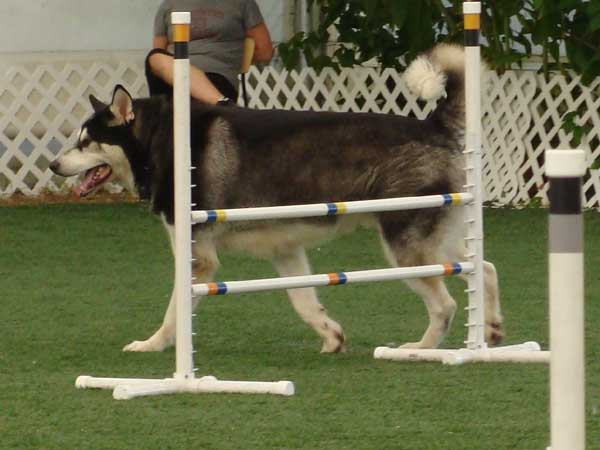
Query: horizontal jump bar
column 331, row 279
column 330, row 209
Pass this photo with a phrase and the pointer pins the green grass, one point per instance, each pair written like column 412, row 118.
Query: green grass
column 81, row 281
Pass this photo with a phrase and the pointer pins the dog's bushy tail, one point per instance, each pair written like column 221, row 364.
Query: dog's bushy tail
column 435, row 73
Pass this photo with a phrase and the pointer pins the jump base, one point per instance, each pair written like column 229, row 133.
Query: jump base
column 528, row 352
column 128, row 388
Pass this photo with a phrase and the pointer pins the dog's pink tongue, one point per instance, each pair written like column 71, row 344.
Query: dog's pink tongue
column 86, row 185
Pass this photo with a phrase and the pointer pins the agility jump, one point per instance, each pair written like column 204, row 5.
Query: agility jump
column 476, row 348
column 184, row 380
column 567, row 356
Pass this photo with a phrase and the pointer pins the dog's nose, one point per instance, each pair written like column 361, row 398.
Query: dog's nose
column 54, row 166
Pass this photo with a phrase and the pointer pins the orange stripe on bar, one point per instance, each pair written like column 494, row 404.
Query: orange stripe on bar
column 448, row 269
column 181, row 33
column 213, row 288
column 333, row 278
column 472, row 21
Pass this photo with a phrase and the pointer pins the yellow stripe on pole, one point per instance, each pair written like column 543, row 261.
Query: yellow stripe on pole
column 221, row 215
column 472, row 21
column 181, row 33
column 341, row 207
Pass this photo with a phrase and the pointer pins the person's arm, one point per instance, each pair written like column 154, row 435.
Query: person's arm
column 160, row 42
column 263, row 50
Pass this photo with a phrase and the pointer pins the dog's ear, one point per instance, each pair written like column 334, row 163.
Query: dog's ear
column 97, row 105
column 122, row 106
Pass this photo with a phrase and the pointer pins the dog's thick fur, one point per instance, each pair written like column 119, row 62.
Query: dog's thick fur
column 246, row 158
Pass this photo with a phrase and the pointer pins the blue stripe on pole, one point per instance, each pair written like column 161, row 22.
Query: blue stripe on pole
column 447, row 199
column 342, row 277
column 456, row 269
column 211, row 216
column 332, row 209
column 222, row 288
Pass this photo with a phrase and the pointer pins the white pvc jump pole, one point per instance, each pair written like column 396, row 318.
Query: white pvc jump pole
column 564, row 169
column 473, row 171
column 476, row 348
column 183, row 380
column 183, row 196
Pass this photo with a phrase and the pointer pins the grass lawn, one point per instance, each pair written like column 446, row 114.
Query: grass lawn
column 80, row 281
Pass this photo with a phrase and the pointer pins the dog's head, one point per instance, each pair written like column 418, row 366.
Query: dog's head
column 105, row 146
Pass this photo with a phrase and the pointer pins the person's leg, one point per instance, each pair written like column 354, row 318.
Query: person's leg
column 160, row 64
column 223, row 85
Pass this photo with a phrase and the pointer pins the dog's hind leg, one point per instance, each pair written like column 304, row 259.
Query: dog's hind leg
column 440, row 304
column 440, row 307
column 306, row 303
column 204, row 267
column 494, row 331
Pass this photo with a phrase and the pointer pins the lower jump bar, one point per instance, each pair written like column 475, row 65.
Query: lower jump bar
column 331, row 279
column 330, row 209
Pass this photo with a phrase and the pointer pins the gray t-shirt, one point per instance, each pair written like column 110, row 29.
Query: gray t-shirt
column 218, row 30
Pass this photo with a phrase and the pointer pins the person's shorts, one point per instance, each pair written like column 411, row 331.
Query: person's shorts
column 158, row 87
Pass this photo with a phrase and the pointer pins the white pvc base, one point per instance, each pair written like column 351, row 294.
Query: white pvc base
column 528, row 352
column 128, row 388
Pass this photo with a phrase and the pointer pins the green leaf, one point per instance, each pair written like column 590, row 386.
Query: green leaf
column 570, row 126
column 399, row 10
column 594, row 23
column 345, row 57
column 577, row 136
column 569, row 5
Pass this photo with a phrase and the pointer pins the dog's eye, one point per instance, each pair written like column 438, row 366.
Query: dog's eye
column 83, row 144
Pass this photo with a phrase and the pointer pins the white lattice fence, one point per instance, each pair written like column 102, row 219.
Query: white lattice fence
column 554, row 99
column 43, row 102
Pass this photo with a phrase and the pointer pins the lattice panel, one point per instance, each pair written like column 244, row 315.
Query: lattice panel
column 554, row 98
column 42, row 104
column 506, row 121
column 357, row 90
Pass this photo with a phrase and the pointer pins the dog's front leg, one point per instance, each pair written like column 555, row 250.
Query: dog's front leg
column 306, row 303
column 163, row 338
column 204, row 267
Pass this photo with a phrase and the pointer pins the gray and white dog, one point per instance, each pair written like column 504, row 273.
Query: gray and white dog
column 246, row 158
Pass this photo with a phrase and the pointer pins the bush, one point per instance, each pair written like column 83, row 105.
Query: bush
column 393, row 32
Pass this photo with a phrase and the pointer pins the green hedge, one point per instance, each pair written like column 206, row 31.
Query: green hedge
column 395, row 31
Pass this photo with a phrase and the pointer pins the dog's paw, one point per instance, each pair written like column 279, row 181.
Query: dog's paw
column 494, row 333
column 143, row 346
column 336, row 344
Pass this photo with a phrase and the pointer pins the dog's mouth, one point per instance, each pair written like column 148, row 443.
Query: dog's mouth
column 94, row 177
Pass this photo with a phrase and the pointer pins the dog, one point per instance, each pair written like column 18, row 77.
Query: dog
column 249, row 158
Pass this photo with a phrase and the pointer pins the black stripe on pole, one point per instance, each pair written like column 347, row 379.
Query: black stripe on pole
column 181, row 50
column 471, row 38
column 565, row 195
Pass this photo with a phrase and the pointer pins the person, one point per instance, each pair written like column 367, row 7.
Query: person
column 217, row 32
